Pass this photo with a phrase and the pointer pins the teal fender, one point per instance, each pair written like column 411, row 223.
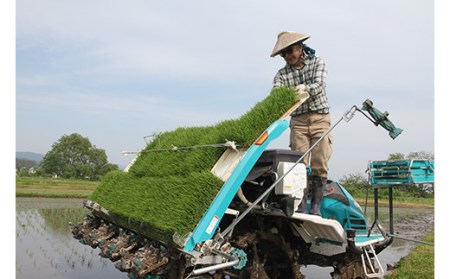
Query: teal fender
column 207, row 226
column 343, row 208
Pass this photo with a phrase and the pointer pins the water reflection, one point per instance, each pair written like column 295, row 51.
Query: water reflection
column 45, row 247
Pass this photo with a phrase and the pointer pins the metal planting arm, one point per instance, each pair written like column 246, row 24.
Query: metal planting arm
column 381, row 119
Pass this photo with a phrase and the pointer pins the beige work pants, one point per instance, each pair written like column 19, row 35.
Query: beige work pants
column 306, row 129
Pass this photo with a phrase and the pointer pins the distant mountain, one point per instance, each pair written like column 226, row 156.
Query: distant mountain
column 30, row 156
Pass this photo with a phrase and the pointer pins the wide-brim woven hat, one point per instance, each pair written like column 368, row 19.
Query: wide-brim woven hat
column 286, row 39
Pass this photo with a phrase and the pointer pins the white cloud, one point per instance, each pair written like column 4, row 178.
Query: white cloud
column 224, row 40
column 36, row 80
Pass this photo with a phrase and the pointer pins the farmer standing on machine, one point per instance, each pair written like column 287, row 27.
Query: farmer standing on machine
column 306, row 72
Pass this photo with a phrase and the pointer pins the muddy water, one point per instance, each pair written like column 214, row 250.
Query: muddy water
column 45, row 247
column 409, row 223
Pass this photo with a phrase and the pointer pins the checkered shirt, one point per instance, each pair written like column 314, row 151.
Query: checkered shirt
column 313, row 75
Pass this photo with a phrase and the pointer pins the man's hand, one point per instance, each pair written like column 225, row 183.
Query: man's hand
column 301, row 89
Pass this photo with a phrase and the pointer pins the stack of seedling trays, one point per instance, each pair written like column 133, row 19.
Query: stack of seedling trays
column 401, row 172
column 167, row 190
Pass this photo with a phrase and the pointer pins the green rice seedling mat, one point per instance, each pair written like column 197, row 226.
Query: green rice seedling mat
column 167, row 192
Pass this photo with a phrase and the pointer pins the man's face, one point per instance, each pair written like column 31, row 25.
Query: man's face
column 292, row 55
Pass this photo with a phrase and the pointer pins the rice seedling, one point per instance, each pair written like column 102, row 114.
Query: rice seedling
column 169, row 191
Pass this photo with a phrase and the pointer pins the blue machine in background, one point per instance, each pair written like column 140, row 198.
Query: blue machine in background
column 417, row 171
column 391, row 173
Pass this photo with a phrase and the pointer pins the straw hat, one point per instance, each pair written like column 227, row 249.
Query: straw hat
column 286, row 39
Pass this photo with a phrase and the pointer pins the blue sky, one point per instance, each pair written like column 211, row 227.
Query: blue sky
column 116, row 71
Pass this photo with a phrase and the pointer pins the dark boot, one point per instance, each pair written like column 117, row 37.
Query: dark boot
column 287, row 205
column 302, row 207
column 317, row 187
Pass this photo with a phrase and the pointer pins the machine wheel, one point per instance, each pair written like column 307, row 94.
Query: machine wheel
column 268, row 258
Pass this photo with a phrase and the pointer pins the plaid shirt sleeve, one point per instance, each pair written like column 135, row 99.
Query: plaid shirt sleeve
column 278, row 80
column 314, row 76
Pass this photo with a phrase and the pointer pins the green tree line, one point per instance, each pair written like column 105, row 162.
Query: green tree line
column 71, row 157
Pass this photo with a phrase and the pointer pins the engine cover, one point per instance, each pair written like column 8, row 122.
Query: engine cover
column 294, row 182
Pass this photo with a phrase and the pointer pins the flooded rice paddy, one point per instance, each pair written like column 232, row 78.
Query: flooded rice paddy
column 45, row 247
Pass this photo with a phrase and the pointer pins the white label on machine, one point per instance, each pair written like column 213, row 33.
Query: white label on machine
column 294, row 182
column 212, row 224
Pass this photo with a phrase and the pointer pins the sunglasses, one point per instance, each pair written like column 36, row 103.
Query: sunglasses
column 287, row 51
